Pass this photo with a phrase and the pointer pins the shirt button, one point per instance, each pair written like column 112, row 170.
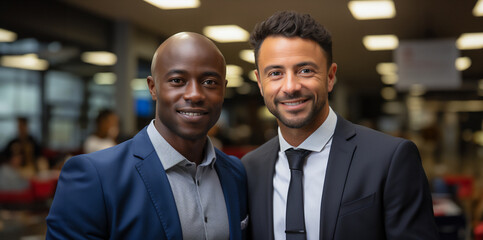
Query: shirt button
column 206, row 219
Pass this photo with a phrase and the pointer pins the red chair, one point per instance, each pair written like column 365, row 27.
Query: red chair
column 43, row 189
column 17, row 197
column 464, row 185
column 478, row 231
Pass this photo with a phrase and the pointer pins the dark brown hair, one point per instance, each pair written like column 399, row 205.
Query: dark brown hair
column 292, row 24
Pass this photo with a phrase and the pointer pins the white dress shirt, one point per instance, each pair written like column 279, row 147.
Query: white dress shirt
column 319, row 142
column 196, row 189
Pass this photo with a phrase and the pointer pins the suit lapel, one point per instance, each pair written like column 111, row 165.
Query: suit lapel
column 230, row 192
column 271, row 156
column 340, row 158
column 157, row 185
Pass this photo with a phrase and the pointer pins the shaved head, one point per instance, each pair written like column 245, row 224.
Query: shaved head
column 188, row 84
column 183, row 43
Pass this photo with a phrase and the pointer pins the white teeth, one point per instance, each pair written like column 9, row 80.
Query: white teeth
column 293, row 103
column 191, row 113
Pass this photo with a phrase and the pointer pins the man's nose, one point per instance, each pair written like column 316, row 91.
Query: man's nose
column 193, row 91
column 291, row 83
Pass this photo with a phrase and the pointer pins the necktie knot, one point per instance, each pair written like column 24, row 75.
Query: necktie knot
column 296, row 158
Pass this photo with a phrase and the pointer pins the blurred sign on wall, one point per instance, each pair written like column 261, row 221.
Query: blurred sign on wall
column 429, row 63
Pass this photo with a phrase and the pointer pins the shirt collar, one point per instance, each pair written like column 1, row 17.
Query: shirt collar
column 318, row 139
column 169, row 157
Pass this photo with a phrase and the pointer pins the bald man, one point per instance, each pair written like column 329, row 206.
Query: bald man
column 168, row 182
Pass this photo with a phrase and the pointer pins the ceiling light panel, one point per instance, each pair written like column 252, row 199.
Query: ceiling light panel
column 478, row 9
column 388, row 93
column 27, row 61
column 139, row 84
column 105, row 78
column 389, row 79
column 365, row 10
column 226, row 33
column 380, row 42
column 470, row 41
column 174, row 4
column 233, row 75
column 247, row 55
column 386, row 68
column 100, row 58
column 7, row 36
column 462, row 63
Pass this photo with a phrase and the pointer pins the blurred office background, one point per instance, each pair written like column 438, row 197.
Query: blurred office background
column 409, row 68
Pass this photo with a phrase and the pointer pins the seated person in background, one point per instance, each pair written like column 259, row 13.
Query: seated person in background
column 26, row 147
column 11, row 176
column 107, row 130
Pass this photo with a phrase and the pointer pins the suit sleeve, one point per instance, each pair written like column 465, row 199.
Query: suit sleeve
column 78, row 209
column 407, row 200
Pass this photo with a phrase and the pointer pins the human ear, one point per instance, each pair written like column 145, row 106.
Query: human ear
column 152, row 87
column 331, row 76
column 259, row 81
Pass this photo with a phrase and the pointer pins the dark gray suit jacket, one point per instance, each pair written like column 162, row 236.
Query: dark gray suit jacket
column 375, row 188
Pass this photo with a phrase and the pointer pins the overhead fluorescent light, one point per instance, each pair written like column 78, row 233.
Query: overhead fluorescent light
column 380, row 42
column 386, row 68
column 478, row 9
column 233, row 76
column 417, row 90
column 105, row 78
column 388, row 93
column 27, row 61
column 470, row 41
column 234, row 81
column 233, row 70
column 365, row 10
column 174, row 4
column 388, row 72
column 226, row 33
column 247, row 55
column 389, row 79
column 462, row 63
column 7, row 36
column 100, row 58
column 139, row 84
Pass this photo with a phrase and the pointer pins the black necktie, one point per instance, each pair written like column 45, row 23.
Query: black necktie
column 294, row 218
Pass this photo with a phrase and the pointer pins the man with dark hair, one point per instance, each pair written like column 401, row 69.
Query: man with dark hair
column 26, row 147
column 168, row 182
column 323, row 177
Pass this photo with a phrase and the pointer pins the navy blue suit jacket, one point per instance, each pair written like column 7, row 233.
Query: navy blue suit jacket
column 123, row 193
column 375, row 188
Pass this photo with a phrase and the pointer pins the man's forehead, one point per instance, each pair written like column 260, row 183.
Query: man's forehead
column 185, row 59
column 295, row 50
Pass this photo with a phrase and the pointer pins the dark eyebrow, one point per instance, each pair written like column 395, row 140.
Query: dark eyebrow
column 307, row 64
column 204, row 74
column 211, row 74
column 271, row 67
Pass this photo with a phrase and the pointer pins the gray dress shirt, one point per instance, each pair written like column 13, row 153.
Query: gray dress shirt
column 197, row 190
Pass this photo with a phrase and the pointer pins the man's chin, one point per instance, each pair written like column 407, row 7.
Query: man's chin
column 294, row 122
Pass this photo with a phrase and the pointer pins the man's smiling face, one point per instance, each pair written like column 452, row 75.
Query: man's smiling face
column 294, row 80
column 188, row 84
